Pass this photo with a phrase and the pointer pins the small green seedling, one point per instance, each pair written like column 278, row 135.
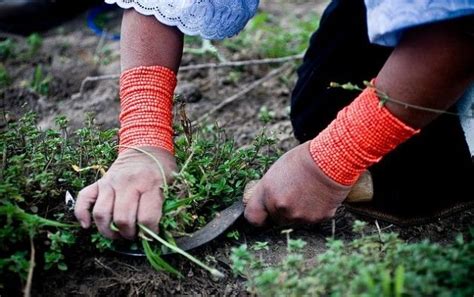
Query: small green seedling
column 40, row 82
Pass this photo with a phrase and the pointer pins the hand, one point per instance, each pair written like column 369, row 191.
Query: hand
column 129, row 193
column 294, row 190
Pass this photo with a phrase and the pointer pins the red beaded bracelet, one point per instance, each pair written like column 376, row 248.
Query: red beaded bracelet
column 362, row 133
column 146, row 99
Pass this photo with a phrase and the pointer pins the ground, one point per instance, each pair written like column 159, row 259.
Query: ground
column 72, row 52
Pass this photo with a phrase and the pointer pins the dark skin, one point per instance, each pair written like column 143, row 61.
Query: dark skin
column 431, row 67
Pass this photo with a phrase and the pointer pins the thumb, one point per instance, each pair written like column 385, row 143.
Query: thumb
column 255, row 211
column 85, row 200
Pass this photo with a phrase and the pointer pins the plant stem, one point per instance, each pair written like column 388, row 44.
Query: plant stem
column 29, row 279
column 176, row 249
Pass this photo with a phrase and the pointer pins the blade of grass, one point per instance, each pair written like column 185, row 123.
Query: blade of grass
column 171, row 205
column 156, row 261
column 216, row 273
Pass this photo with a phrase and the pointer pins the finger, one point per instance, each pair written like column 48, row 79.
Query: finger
column 85, row 200
column 103, row 209
column 125, row 211
column 255, row 211
column 248, row 191
column 150, row 209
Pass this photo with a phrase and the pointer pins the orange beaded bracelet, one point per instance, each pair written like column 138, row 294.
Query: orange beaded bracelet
column 146, row 99
column 360, row 136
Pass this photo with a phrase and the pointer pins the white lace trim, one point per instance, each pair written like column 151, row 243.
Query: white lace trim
column 211, row 19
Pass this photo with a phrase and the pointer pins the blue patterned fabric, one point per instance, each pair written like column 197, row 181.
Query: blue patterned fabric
column 210, row 19
column 387, row 19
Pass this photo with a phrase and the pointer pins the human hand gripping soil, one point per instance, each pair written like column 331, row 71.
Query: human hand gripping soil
column 294, row 190
column 129, row 193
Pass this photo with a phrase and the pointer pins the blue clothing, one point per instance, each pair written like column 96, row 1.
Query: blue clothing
column 210, row 19
column 388, row 19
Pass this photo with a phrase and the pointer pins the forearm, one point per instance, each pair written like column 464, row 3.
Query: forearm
column 151, row 54
column 431, row 67
column 147, row 42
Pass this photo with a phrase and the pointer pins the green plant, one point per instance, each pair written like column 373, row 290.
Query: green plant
column 38, row 167
column 259, row 245
column 265, row 115
column 34, row 41
column 273, row 39
column 212, row 175
column 40, row 82
column 101, row 243
column 55, row 256
column 233, row 234
column 7, row 48
column 36, row 170
column 371, row 265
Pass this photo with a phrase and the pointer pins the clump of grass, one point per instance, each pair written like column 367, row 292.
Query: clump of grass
column 371, row 265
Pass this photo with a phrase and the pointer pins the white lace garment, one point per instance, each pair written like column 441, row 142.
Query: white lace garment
column 210, row 19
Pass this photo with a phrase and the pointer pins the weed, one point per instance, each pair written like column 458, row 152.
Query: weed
column 38, row 167
column 34, row 42
column 36, row 170
column 371, row 265
column 7, row 48
column 265, row 115
column 260, row 245
column 55, row 256
column 233, row 234
column 40, row 83
column 271, row 39
column 101, row 243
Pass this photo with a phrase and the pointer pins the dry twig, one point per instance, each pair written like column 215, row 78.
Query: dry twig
column 275, row 72
column 98, row 262
column 90, row 79
column 378, row 230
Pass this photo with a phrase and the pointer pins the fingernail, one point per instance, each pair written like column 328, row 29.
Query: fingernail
column 83, row 224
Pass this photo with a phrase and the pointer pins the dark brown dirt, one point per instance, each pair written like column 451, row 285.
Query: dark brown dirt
column 70, row 54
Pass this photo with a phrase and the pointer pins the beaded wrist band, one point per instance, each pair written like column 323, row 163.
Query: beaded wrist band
column 146, row 99
column 360, row 136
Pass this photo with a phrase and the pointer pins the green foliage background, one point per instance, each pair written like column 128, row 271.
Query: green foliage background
column 371, row 265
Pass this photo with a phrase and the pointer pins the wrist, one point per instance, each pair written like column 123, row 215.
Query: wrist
column 146, row 99
column 360, row 136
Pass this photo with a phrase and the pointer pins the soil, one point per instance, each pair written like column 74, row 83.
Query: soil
column 72, row 52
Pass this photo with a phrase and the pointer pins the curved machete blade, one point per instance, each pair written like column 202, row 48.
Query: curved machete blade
column 214, row 228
